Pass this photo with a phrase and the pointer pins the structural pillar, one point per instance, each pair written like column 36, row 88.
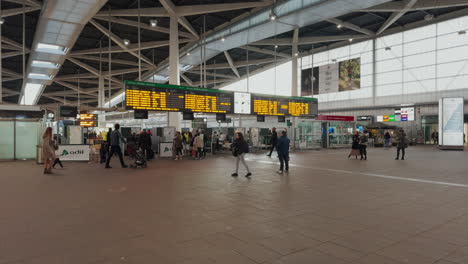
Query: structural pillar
column 295, row 57
column 174, row 119
column 101, row 92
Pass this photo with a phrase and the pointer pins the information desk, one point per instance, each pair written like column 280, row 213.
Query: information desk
column 165, row 97
column 73, row 152
column 284, row 106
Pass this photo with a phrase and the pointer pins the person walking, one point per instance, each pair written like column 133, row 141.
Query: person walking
column 283, row 152
column 363, row 140
column 355, row 145
column 402, row 144
column 435, row 137
column 178, row 145
column 145, row 144
column 273, row 141
column 198, row 146
column 48, row 150
column 239, row 148
column 387, row 139
column 115, row 139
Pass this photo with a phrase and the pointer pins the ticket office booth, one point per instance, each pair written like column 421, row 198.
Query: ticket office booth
column 337, row 131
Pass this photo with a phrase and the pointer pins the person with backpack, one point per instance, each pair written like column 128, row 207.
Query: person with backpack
column 283, row 152
column 239, row 148
column 363, row 140
column 402, row 144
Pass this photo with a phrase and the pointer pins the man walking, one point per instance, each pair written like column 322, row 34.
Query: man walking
column 283, row 152
column 115, row 140
column 273, row 141
column 435, row 137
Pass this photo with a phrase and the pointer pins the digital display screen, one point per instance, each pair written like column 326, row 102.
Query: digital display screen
column 284, row 106
column 164, row 97
column 88, row 120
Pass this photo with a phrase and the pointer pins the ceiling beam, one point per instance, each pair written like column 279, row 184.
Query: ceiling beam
column 93, row 70
column 13, row 43
column 191, row 10
column 307, row 40
column 231, row 63
column 214, row 74
column 266, row 51
column 7, row 72
column 8, row 79
column 141, row 25
column 238, row 64
column 17, row 11
column 196, row 84
column 186, row 79
column 171, row 9
column 119, row 42
column 11, row 54
column 396, row 15
column 146, row 12
column 26, row 2
column 395, row 6
column 351, row 26
column 73, row 87
column 96, row 58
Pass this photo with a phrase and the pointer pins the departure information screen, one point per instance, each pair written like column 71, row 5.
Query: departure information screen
column 284, row 106
column 164, row 97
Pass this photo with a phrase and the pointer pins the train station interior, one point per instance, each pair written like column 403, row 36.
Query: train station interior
column 233, row 132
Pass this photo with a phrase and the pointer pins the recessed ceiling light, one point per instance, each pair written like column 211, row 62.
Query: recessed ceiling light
column 153, row 22
column 350, row 40
column 2, row 20
column 223, row 39
column 126, row 42
column 39, row 76
column 188, row 53
column 276, row 46
column 428, row 17
column 51, row 48
column 45, row 64
column 272, row 16
column 296, row 54
column 339, row 26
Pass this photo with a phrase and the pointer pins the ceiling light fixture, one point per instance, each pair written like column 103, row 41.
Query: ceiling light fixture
column 339, row 26
column 296, row 54
column 428, row 17
column 188, row 53
column 126, row 42
column 153, row 22
column 2, row 20
column 272, row 16
column 350, row 40
column 276, row 46
column 223, row 39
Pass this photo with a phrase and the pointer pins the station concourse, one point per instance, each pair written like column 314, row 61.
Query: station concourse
column 240, row 131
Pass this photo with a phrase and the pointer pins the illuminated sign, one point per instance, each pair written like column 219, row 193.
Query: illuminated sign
column 164, row 97
column 284, row 106
column 87, row 120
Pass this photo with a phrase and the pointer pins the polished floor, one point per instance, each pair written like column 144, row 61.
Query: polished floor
column 327, row 210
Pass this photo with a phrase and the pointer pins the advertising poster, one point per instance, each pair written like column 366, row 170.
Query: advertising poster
column 165, row 150
column 73, row 152
column 310, row 81
column 242, row 103
column 451, row 121
column 350, row 75
column 328, row 78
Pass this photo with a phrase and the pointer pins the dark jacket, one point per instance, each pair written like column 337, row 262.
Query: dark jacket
column 283, row 145
column 116, row 138
column 402, row 140
column 145, row 140
column 178, row 142
column 240, row 146
column 387, row 136
column 274, row 138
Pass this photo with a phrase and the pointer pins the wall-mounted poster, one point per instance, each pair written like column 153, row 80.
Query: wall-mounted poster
column 328, row 78
column 310, row 81
column 350, row 75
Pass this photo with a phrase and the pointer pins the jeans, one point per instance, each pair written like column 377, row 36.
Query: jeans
column 57, row 160
column 387, row 142
column 402, row 153
column 115, row 149
column 273, row 146
column 363, row 150
column 284, row 160
column 240, row 157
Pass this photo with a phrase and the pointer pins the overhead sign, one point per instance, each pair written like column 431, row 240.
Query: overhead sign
column 165, row 97
column 73, row 152
column 88, row 120
column 68, row 111
column 284, row 106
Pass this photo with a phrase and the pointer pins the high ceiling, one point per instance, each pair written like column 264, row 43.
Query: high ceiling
column 124, row 66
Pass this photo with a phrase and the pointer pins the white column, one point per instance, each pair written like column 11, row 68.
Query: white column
column 174, row 119
column 101, row 91
column 295, row 57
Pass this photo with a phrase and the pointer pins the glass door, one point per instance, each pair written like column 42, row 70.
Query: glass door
column 26, row 139
column 7, row 140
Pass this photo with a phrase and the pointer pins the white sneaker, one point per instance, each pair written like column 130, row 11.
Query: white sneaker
column 279, row 172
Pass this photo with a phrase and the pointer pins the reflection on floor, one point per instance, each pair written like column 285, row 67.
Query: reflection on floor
column 327, row 210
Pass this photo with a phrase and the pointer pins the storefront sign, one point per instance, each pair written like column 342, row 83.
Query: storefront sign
column 73, row 152
column 364, row 118
column 334, row 118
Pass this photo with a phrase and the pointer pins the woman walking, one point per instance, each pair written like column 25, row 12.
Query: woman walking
column 198, row 146
column 48, row 150
column 355, row 146
column 239, row 148
column 387, row 139
column 363, row 139
column 178, row 145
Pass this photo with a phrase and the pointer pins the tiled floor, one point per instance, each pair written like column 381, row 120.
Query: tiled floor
column 327, row 210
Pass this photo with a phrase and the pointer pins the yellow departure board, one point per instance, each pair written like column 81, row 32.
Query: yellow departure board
column 163, row 97
column 284, row 106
